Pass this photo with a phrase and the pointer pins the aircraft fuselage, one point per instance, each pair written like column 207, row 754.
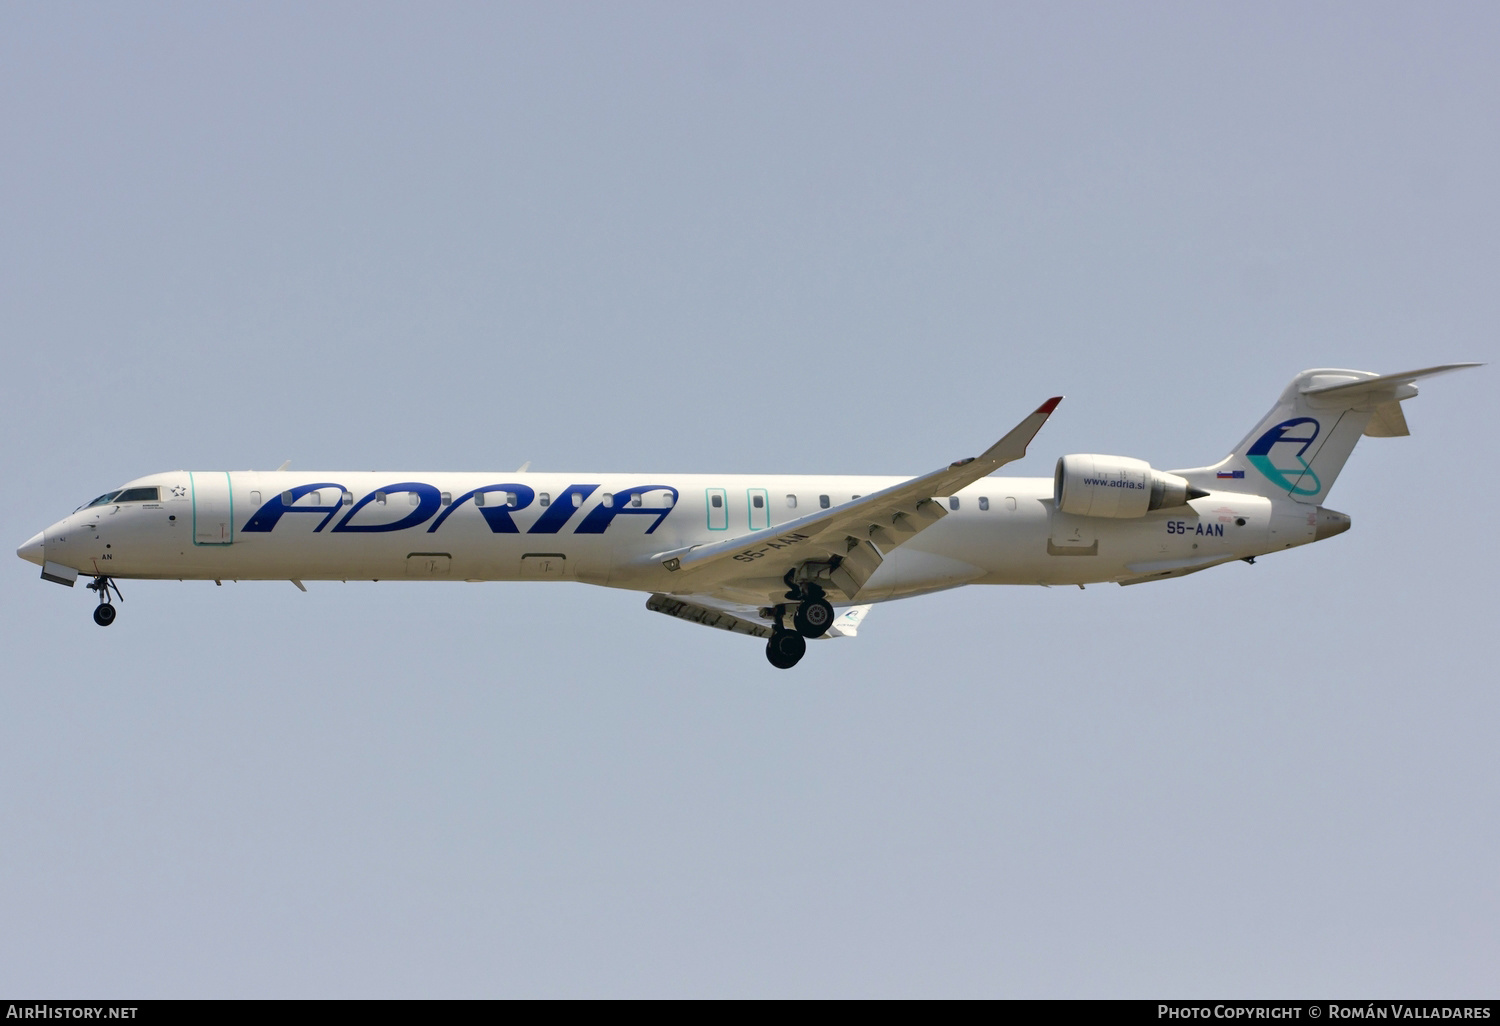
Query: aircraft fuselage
column 602, row 529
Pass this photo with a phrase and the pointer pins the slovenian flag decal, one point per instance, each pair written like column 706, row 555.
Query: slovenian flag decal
column 1231, row 473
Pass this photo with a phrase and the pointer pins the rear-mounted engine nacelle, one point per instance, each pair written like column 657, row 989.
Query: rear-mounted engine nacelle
column 1090, row 485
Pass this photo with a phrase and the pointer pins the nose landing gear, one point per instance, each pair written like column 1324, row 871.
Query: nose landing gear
column 104, row 612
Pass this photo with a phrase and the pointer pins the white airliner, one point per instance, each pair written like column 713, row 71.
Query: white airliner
column 765, row 556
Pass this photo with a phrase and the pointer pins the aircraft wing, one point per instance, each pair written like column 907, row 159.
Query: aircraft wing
column 851, row 538
column 710, row 615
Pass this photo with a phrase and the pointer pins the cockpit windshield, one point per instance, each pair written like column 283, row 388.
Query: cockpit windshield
column 103, row 500
column 152, row 494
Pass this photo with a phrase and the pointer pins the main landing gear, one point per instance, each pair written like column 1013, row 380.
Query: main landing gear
column 811, row 618
column 785, row 649
column 104, row 612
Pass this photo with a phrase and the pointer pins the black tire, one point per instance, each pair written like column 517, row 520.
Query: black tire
column 785, row 649
column 104, row 614
column 813, row 618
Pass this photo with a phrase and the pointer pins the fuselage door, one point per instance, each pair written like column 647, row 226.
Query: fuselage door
column 213, row 508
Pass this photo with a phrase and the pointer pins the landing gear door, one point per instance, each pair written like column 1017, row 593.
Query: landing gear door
column 213, row 508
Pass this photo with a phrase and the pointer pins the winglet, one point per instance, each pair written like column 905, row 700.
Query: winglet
column 847, row 625
column 1013, row 446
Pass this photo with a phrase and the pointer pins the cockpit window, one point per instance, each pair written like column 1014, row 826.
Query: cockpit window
column 126, row 495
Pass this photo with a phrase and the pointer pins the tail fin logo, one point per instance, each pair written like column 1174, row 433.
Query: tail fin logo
column 1277, row 463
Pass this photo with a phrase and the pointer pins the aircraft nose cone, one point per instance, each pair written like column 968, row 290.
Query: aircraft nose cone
column 32, row 550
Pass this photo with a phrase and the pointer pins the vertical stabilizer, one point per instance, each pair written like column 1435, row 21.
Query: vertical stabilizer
column 1298, row 449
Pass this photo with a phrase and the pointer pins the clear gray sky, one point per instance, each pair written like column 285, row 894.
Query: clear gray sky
column 861, row 238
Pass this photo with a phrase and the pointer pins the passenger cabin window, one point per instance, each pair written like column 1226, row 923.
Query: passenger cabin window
column 316, row 498
column 577, row 500
column 758, row 501
column 984, row 502
column 446, row 499
column 479, row 498
column 823, row 502
column 953, row 502
column 348, row 499
column 139, row 495
column 286, row 498
column 716, row 501
column 1010, row 503
column 608, row 500
column 412, row 498
column 380, row 498
column 544, row 499
column 791, row 502
column 255, row 498
column 635, row 500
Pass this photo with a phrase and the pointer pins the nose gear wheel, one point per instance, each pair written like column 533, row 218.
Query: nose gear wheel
column 104, row 612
